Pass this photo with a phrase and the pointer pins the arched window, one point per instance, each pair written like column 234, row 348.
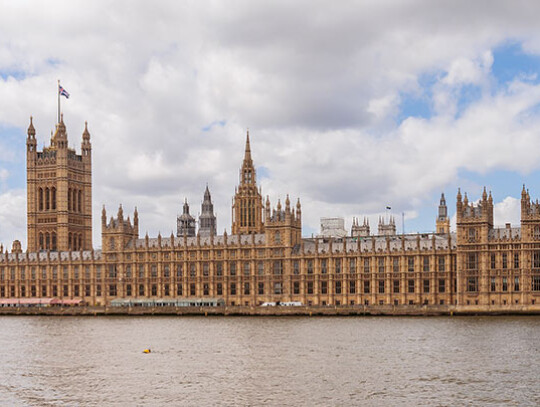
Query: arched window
column 79, row 200
column 41, row 241
column 472, row 234
column 111, row 243
column 40, row 194
column 53, row 198
column 53, row 242
column 69, row 199
column 75, row 201
column 80, row 242
column 47, row 199
column 47, row 241
column 70, row 245
column 536, row 233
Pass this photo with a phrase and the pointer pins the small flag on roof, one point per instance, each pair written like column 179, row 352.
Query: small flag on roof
column 62, row 91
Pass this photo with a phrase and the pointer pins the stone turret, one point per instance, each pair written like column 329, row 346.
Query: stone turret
column 474, row 221
column 443, row 222
column 185, row 223
column 207, row 219
column 387, row 229
column 283, row 226
column 530, row 217
column 118, row 233
column 358, row 230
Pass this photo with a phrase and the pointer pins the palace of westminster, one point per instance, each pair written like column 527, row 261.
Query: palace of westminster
column 265, row 258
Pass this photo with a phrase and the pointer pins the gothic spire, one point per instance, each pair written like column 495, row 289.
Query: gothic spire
column 247, row 153
column 207, row 219
column 31, row 129
column 86, row 133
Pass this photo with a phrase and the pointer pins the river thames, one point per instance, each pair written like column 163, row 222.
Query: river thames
column 293, row 361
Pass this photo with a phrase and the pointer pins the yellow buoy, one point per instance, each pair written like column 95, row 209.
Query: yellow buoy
column 146, row 351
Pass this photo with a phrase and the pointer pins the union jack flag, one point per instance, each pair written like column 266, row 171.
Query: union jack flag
column 63, row 92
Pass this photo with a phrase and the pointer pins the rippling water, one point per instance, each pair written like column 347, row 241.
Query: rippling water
column 269, row 361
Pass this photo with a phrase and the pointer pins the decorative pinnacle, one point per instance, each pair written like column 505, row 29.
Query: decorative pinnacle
column 86, row 133
column 247, row 154
column 31, row 129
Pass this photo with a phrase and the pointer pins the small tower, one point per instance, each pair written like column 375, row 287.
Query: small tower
column 185, row 223
column 530, row 217
column 118, row 232
column 358, row 230
column 283, row 227
column 247, row 209
column 207, row 219
column 474, row 221
column 385, row 229
column 443, row 222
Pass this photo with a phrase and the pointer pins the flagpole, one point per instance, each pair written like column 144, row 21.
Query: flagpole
column 58, row 94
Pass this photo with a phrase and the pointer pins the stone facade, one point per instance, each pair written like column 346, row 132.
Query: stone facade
column 266, row 259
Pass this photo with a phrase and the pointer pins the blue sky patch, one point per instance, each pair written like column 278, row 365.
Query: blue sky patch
column 468, row 94
column 510, row 61
column 13, row 140
column 263, row 172
column 219, row 123
column 418, row 104
column 15, row 74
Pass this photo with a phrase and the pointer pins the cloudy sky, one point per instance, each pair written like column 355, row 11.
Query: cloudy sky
column 352, row 106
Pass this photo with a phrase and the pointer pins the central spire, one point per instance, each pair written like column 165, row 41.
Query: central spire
column 247, row 203
column 247, row 174
column 247, row 154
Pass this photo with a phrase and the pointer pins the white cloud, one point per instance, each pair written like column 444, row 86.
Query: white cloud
column 318, row 86
column 507, row 211
column 12, row 217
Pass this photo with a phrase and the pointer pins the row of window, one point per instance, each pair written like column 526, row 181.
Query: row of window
column 234, row 288
column 506, row 260
column 48, row 241
column 472, row 284
column 47, row 199
column 277, row 288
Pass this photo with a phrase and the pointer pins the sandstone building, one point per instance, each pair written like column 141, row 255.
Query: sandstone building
column 265, row 257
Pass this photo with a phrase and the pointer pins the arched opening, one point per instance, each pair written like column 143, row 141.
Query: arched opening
column 40, row 195
column 47, row 199
column 53, row 242
column 41, row 241
column 47, row 241
column 79, row 200
column 53, row 198
column 70, row 245
column 69, row 199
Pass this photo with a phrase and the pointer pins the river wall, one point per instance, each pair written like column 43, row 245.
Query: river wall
column 274, row 311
